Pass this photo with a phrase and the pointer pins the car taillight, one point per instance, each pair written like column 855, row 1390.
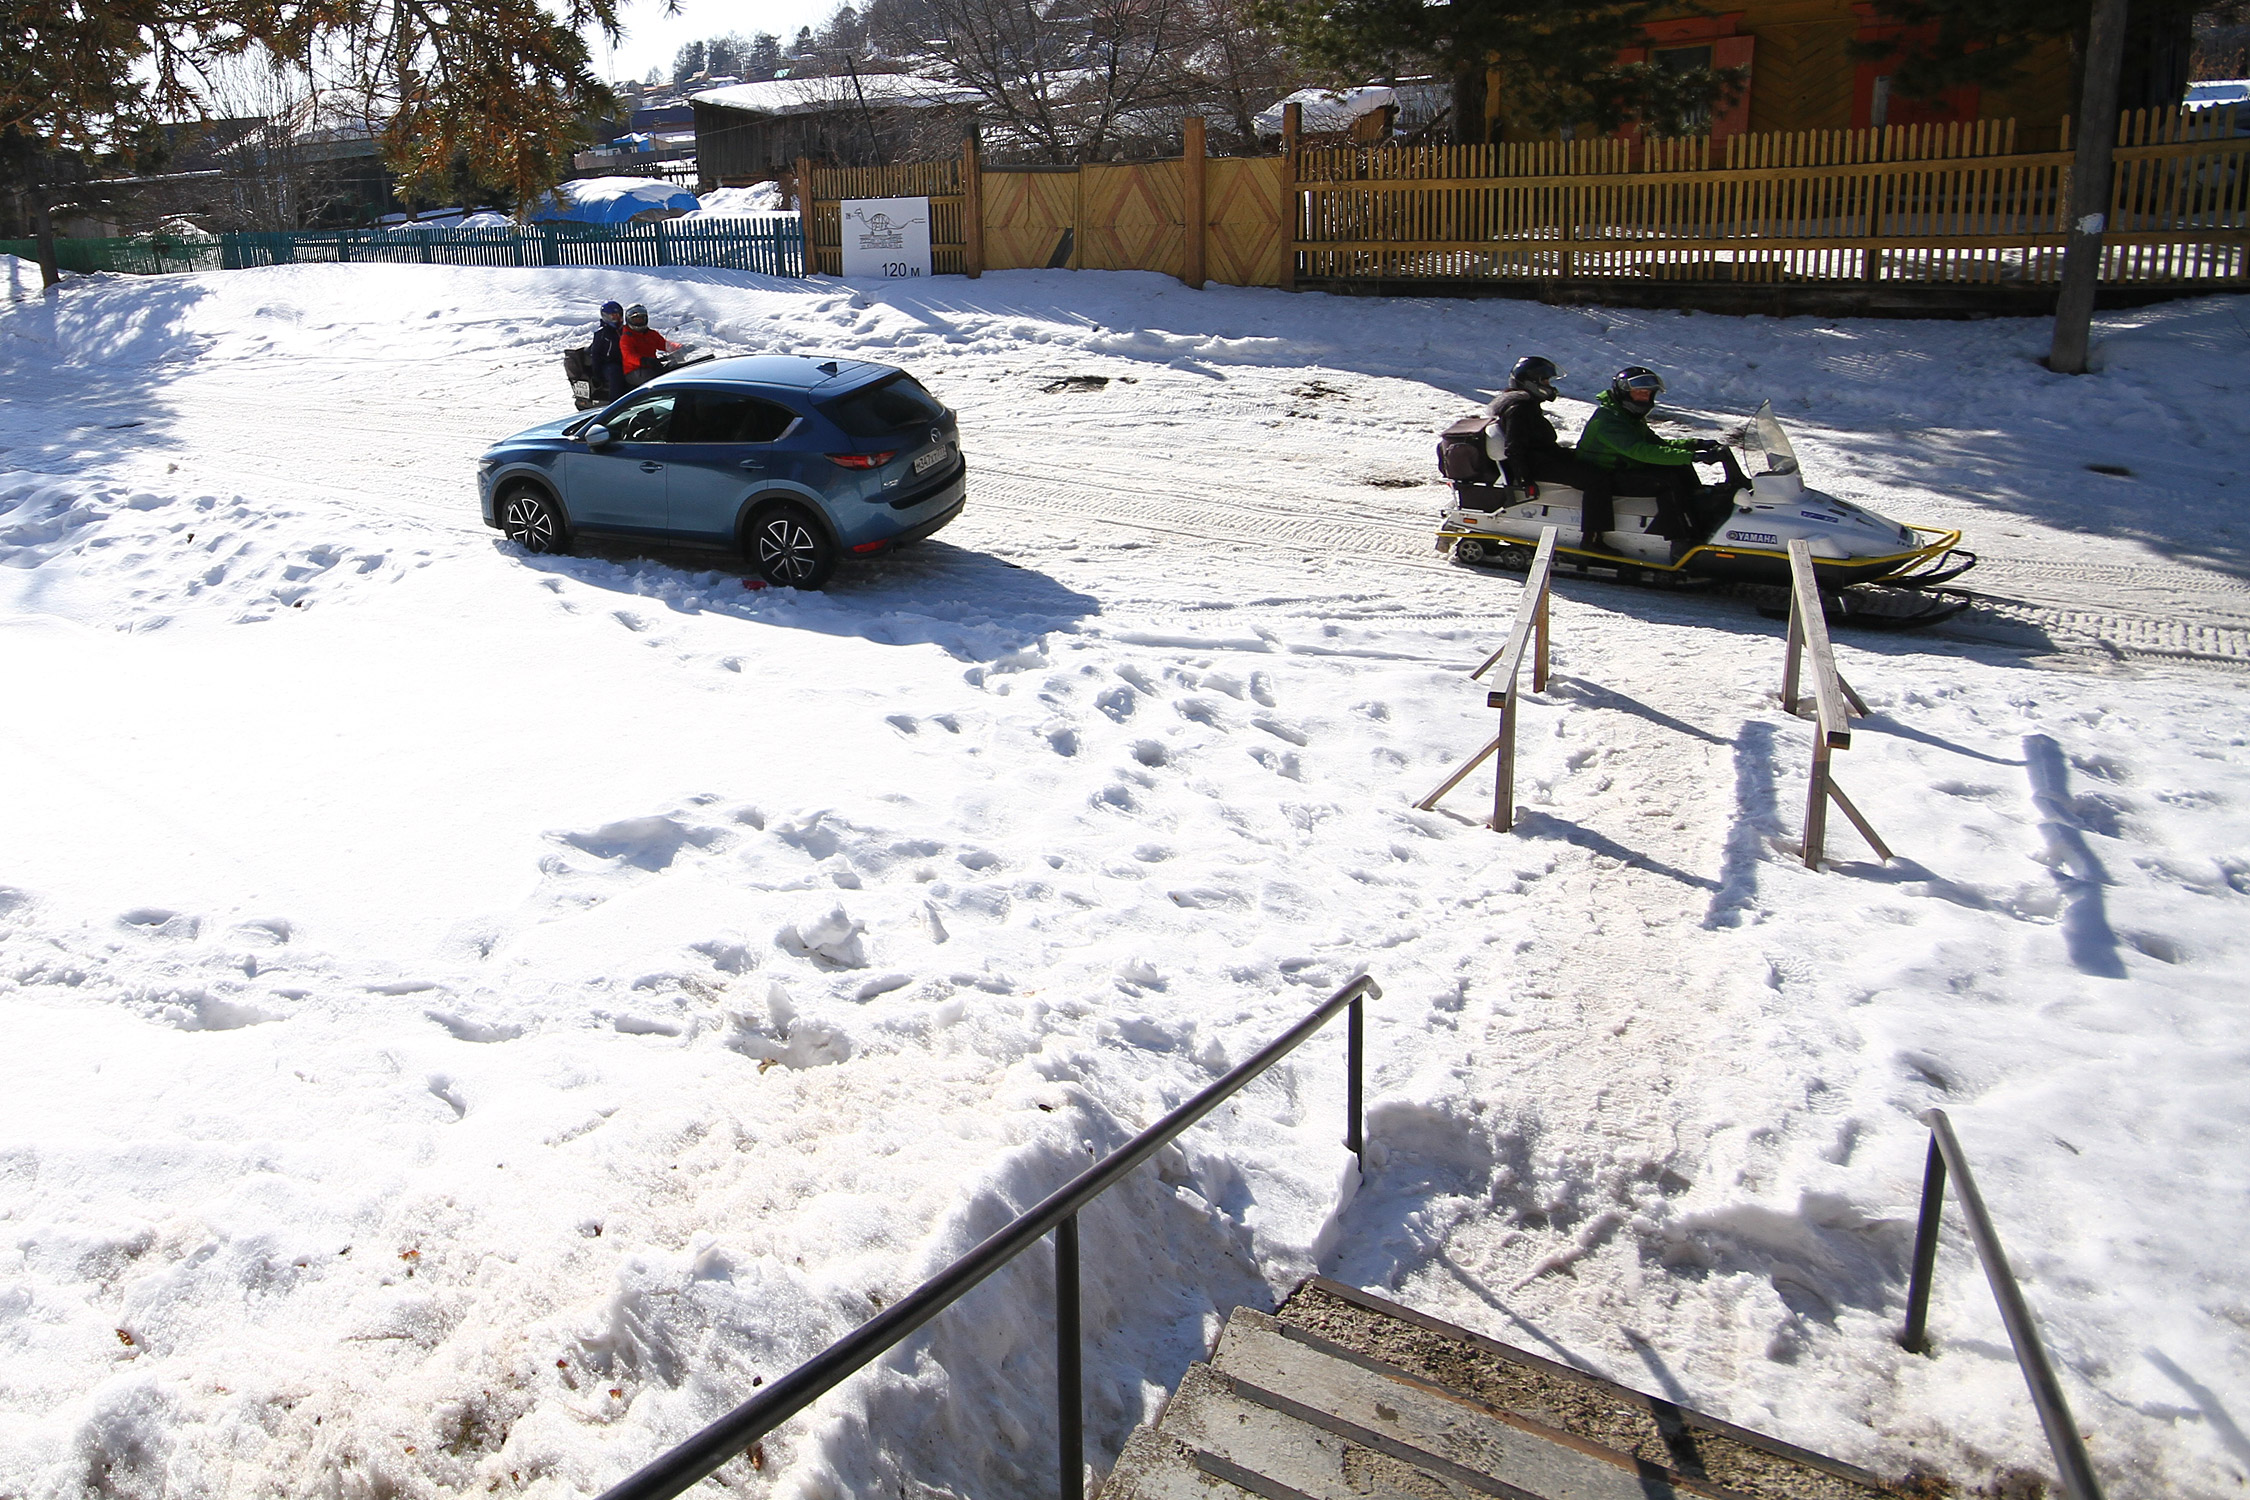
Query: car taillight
column 862, row 460
column 866, row 547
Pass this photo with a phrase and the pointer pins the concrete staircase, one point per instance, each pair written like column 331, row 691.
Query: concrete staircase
column 1345, row 1396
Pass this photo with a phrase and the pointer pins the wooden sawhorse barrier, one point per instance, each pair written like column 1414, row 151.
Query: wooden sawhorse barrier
column 1530, row 634
column 1832, row 701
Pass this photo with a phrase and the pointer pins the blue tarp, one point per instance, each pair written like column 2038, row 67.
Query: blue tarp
column 611, row 200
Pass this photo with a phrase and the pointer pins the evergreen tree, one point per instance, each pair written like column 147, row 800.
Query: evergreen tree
column 688, row 61
column 764, row 55
column 1556, row 59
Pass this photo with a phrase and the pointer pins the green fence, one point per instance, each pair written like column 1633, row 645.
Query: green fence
column 141, row 255
column 774, row 246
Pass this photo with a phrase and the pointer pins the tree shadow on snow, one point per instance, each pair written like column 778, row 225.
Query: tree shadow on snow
column 972, row 605
column 80, row 383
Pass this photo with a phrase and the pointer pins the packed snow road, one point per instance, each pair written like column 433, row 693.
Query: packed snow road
column 478, row 1013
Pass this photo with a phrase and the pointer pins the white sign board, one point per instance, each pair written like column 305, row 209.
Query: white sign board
column 887, row 237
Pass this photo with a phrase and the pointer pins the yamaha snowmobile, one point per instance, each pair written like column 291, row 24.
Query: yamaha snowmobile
column 578, row 369
column 1739, row 531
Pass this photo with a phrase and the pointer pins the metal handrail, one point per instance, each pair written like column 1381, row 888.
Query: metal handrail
column 2076, row 1470
column 694, row 1460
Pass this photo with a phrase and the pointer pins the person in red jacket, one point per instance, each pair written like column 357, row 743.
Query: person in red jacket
column 640, row 345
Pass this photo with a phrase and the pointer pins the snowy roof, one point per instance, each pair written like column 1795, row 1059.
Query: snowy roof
column 2219, row 91
column 612, row 200
column 1330, row 109
column 808, row 96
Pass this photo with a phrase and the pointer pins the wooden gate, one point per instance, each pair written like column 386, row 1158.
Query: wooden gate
column 1131, row 219
column 1030, row 218
column 1247, row 229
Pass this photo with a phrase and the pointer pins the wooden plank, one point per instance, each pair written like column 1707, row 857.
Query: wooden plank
column 1828, row 694
column 1535, row 586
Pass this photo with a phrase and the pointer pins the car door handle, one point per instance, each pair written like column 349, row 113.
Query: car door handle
column 753, row 463
column 652, row 468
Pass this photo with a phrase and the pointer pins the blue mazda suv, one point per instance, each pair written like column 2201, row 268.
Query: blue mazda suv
column 797, row 462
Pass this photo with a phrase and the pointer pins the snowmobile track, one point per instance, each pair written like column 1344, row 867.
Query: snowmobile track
column 2085, row 625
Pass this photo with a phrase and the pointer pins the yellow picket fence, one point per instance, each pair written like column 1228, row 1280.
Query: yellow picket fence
column 1931, row 203
column 1952, row 204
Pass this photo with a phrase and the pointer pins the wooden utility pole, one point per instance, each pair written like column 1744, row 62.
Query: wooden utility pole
column 1292, row 126
column 1193, row 148
column 2089, row 189
column 972, row 207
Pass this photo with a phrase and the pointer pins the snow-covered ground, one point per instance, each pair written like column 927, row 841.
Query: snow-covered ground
column 755, row 201
column 476, row 1015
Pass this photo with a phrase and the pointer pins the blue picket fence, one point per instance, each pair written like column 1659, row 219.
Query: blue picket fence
column 773, row 245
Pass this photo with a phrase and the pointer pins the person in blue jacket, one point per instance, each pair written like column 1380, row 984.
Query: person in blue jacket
column 606, row 356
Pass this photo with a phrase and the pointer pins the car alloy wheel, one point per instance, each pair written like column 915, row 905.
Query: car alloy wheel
column 788, row 549
column 530, row 522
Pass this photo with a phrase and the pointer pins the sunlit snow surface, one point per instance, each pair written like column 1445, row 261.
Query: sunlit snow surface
column 470, row 1015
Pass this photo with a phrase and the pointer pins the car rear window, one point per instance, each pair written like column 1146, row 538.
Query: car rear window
column 885, row 407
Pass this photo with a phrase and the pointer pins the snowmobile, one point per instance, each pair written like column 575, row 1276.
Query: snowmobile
column 1739, row 532
column 578, row 368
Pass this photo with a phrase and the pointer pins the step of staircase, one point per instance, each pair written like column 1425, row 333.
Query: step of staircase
column 1343, row 1395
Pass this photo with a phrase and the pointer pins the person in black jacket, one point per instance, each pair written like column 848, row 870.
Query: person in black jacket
column 605, row 356
column 1534, row 453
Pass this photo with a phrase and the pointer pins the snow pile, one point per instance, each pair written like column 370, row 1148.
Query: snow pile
column 21, row 277
column 754, row 201
column 1328, row 109
column 492, row 1010
column 612, row 200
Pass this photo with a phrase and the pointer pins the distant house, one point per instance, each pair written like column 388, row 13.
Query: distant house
column 1800, row 72
column 754, row 132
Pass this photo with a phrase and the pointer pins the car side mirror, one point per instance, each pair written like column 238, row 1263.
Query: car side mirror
column 598, row 436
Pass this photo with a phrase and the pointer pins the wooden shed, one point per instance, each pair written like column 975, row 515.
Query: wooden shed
column 754, row 132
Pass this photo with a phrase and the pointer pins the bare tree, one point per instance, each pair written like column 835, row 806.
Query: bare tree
column 1080, row 80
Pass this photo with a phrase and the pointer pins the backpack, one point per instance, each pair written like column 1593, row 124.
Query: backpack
column 1461, row 454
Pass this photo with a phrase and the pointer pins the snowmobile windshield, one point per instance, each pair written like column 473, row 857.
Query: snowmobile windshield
column 1766, row 435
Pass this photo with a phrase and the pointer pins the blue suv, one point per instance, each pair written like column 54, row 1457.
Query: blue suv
column 795, row 461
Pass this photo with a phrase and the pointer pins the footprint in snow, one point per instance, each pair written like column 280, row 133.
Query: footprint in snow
column 650, row 843
column 158, row 921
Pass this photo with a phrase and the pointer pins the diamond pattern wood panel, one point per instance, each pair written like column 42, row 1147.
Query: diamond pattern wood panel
column 1131, row 218
column 1243, row 198
column 1025, row 215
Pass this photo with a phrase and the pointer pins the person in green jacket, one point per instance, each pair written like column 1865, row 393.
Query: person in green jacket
column 1618, row 437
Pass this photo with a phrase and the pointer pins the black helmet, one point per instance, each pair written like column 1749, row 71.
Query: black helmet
column 1537, row 374
column 1636, row 388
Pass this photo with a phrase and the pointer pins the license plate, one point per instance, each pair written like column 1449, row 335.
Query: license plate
column 929, row 461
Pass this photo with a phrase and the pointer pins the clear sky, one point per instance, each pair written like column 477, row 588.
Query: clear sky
column 652, row 37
